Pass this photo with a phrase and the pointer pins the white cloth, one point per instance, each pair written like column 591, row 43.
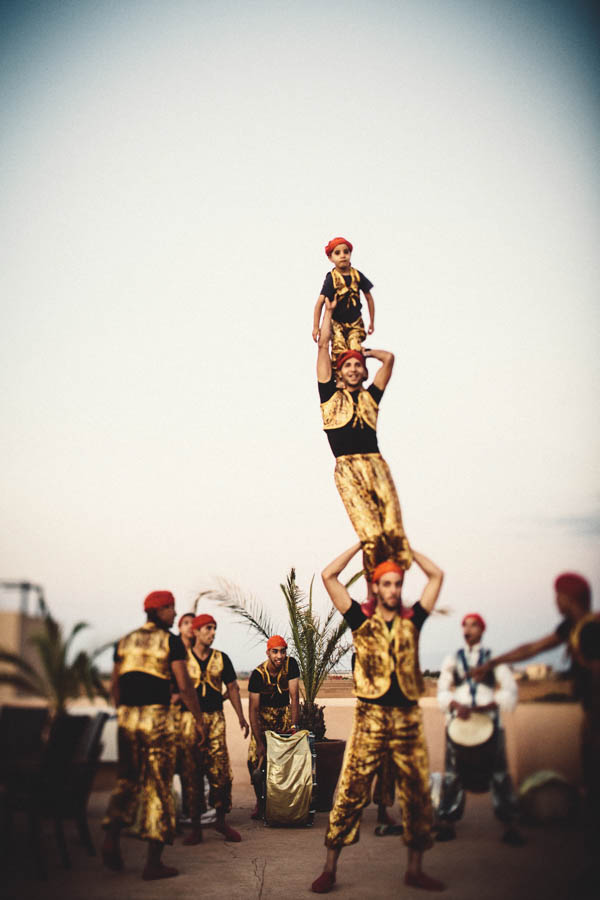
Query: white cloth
column 504, row 695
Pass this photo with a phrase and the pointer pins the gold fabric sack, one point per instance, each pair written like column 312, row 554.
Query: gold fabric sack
column 289, row 778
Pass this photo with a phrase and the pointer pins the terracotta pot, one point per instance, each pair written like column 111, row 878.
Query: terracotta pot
column 330, row 755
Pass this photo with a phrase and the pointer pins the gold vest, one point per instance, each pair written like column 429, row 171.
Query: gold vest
column 278, row 684
column 213, row 674
column 194, row 670
column 574, row 641
column 344, row 294
column 145, row 650
column 340, row 409
column 381, row 651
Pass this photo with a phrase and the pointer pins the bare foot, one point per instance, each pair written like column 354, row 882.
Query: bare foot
column 421, row 880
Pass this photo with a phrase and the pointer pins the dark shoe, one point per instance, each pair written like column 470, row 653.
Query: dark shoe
column 513, row 838
column 382, row 830
column 153, row 873
column 424, row 881
column 255, row 814
column 323, row 884
column 445, row 832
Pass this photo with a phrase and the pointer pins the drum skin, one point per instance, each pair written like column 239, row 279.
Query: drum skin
column 474, row 742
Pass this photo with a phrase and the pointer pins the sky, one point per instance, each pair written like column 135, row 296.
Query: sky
column 170, row 174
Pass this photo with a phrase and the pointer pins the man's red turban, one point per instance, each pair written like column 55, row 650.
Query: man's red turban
column 388, row 566
column 158, row 600
column 334, row 242
column 275, row 642
column 204, row 619
column 574, row 586
column 350, row 354
column 477, row 618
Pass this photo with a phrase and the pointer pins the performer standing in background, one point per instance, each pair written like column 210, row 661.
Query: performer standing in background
column 387, row 718
column 580, row 631
column 344, row 284
column 187, row 759
column 458, row 695
column 144, row 661
column 362, row 476
column 215, row 670
column 274, row 701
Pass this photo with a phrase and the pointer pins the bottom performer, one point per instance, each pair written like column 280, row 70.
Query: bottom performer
column 387, row 718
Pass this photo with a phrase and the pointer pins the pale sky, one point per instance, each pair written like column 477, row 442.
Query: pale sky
column 170, row 174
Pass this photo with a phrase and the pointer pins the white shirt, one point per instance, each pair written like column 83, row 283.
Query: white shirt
column 505, row 695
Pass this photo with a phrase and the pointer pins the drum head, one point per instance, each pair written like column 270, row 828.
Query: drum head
column 471, row 732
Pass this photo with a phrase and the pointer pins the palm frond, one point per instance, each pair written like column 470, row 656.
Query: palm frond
column 244, row 606
column 354, row 578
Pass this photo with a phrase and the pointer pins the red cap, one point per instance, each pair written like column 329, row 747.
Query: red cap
column 350, row 354
column 204, row 619
column 158, row 600
column 334, row 242
column 275, row 642
column 477, row 618
column 388, row 566
column 574, row 586
column 184, row 616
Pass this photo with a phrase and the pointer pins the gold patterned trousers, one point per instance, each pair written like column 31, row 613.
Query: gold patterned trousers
column 377, row 731
column 143, row 798
column 214, row 762
column 367, row 489
column 188, row 762
column 271, row 718
column 385, row 783
column 346, row 336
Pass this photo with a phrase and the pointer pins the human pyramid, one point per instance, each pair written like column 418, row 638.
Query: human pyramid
column 169, row 690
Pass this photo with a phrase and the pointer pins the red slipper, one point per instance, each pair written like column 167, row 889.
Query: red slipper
column 153, row 873
column 424, row 881
column 323, row 884
column 229, row 833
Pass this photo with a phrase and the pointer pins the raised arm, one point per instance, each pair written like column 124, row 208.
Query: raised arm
column 520, row 653
column 340, row 597
column 435, row 577
column 383, row 374
column 323, row 358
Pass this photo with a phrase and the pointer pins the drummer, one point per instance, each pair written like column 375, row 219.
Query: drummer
column 459, row 695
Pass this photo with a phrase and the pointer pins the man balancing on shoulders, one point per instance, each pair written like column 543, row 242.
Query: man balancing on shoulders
column 387, row 718
column 213, row 669
column 144, row 662
column 362, row 476
column 273, row 692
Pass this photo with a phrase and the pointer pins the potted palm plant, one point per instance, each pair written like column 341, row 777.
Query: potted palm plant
column 317, row 645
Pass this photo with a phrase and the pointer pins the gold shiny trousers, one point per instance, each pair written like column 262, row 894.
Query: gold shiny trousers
column 385, row 783
column 377, row 731
column 346, row 336
column 366, row 487
column 271, row 718
column 214, row 762
column 143, row 798
column 188, row 762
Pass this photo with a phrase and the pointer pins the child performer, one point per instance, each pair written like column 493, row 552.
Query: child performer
column 344, row 284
